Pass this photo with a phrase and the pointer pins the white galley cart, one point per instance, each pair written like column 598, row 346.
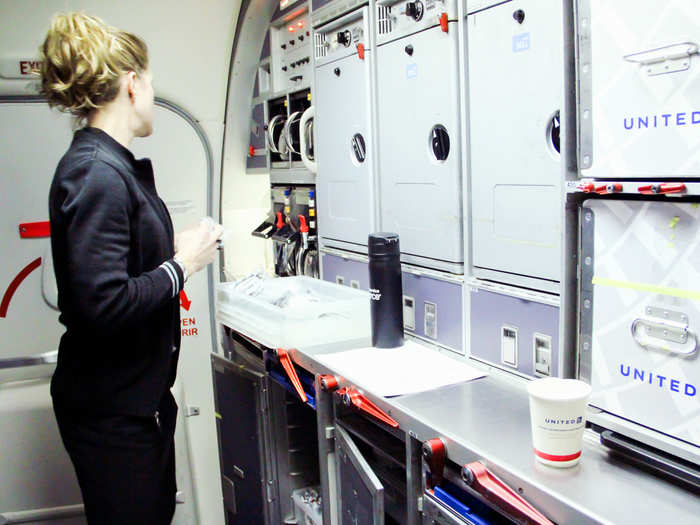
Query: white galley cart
column 640, row 316
column 639, row 68
column 419, row 130
column 516, row 70
column 343, row 131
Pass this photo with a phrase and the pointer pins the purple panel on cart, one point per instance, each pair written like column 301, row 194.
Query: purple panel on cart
column 447, row 298
column 491, row 311
column 349, row 271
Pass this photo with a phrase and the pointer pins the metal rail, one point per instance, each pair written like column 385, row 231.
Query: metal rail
column 34, row 515
column 47, row 358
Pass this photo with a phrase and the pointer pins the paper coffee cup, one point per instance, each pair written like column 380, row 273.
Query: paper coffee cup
column 558, row 419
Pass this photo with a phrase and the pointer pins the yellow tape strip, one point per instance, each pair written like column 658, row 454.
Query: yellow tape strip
column 218, row 416
column 645, row 287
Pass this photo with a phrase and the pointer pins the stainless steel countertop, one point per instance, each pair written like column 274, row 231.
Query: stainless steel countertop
column 488, row 420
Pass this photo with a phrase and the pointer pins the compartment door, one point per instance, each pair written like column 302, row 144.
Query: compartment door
column 344, row 150
column 241, row 442
column 361, row 493
column 641, row 312
column 419, row 143
column 640, row 104
column 515, row 85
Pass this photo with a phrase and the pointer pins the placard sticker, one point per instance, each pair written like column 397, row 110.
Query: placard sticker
column 411, row 70
column 521, row 42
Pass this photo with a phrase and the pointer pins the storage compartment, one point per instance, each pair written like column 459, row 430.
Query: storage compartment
column 296, row 454
column 638, row 74
column 516, row 73
column 420, row 146
column 343, row 138
column 293, row 312
column 640, row 314
column 277, row 118
column 298, row 103
column 516, row 334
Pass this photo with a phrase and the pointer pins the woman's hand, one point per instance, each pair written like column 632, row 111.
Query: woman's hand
column 197, row 246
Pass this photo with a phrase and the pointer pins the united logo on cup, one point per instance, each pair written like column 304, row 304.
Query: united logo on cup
column 558, row 419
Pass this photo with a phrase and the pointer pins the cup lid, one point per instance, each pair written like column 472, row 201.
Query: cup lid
column 556, row 389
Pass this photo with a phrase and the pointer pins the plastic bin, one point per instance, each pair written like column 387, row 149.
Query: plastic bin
column 307, row 506
column 316, row 312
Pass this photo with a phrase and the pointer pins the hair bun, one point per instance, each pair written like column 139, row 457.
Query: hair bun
column 82, row 61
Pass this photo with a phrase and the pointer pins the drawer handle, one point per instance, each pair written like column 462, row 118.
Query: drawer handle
column 352, row 397
column 640, row 324
column 288, row 366
column 479, row 478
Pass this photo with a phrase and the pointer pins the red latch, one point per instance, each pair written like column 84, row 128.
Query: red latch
column 443, row 23
column 605, row 189
column 303, row 228
column 288, row 366
column 251, row 151
column 352, row 397
column 35, row 230
column 657, row 189
column 328, row 382
column 361, row 51
column 478, row 477
column 587, row 187
column 280, row 221
column 434, row 454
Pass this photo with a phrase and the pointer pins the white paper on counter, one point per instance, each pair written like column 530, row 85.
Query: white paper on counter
column 408, row 369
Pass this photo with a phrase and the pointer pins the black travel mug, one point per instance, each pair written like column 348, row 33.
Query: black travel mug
column 386, row 306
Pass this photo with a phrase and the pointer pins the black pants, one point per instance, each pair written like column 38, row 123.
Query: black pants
column 125, row 464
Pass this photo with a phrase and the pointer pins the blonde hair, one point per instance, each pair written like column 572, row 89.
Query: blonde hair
column 82, row 60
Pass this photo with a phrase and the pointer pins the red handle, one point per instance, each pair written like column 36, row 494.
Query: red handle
column 361, row 51
column 303, row 228
column 352, row 397
column 434, row 454
column 494, row 490
column 587, row 187
column 288, row 366
column 443, row 23
column 35, row 230
column 605, row 189
column 656, row 189
column 328, row 382
column 251, row 151
column 280, row 221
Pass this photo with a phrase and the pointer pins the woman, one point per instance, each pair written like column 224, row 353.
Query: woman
column 119, row 270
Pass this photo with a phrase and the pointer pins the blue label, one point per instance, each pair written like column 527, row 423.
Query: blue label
column 662, row 120
column 656, row 380
column 411, row 70
column 521, row 42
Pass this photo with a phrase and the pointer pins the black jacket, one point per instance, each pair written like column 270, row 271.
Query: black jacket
column 118, row 286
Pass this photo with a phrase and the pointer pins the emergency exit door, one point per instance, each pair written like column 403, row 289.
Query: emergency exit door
column 343, row 146
column 37, row 477
column 419, row 145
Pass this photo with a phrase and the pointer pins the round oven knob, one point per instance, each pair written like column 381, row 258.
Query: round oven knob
column 343, row 38
column 414, row 10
